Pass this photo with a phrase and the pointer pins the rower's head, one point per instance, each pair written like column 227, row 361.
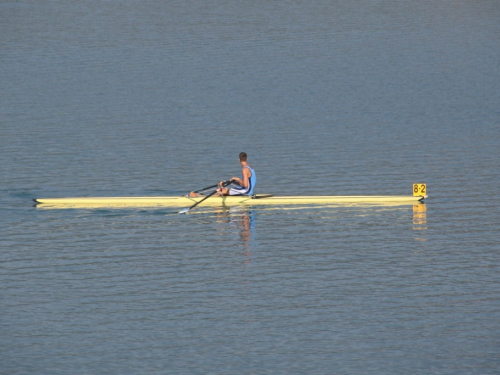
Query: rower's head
column 243, row 156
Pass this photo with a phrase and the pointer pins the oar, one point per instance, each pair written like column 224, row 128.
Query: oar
column 207, row 188
column 224, row 184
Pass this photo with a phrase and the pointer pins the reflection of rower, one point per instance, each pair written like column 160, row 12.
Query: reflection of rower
column 246, row 225
column 245, row 184
column 244, row 221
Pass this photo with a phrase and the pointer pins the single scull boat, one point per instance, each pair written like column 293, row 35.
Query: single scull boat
column 257, row 200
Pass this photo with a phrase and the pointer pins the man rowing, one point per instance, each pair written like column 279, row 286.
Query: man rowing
column 244, row 185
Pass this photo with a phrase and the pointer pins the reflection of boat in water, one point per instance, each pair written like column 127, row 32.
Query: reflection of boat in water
column 228, row 201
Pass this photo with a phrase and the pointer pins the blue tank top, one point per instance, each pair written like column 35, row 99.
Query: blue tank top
column 252, row 182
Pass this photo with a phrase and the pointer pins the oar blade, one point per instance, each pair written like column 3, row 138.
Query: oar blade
column 185, row 211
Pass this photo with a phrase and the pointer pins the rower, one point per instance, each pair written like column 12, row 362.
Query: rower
column 245, row 184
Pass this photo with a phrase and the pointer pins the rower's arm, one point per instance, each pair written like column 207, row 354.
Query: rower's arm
column 246, row 178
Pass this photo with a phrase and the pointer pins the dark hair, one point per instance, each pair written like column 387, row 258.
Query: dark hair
column 243, row 156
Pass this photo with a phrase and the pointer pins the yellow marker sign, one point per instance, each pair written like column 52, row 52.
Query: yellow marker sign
column 419, row 190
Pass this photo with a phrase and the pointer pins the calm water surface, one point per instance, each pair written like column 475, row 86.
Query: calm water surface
column 116, row 98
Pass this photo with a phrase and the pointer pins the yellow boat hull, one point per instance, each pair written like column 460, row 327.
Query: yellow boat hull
column 215, row 201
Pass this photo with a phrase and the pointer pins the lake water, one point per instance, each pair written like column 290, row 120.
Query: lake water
column 121, row 98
